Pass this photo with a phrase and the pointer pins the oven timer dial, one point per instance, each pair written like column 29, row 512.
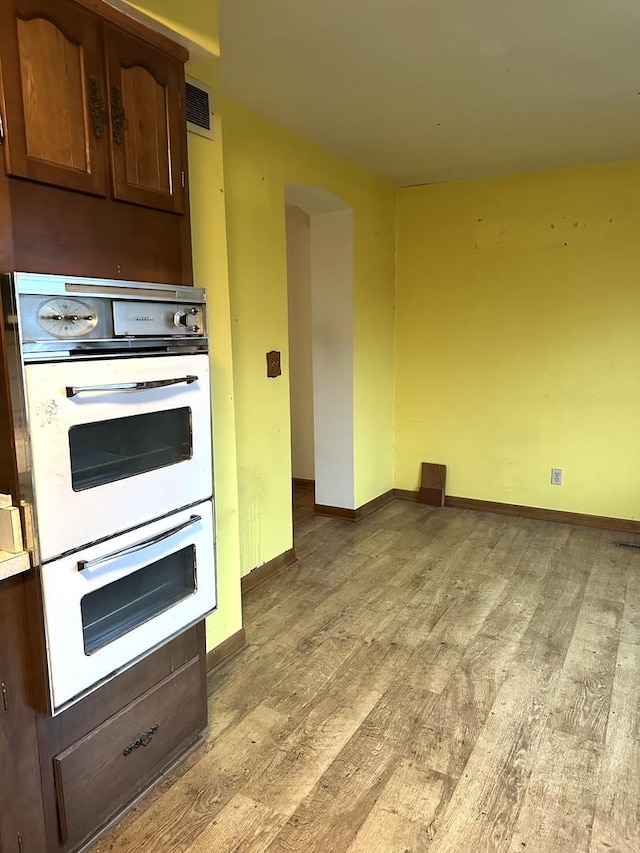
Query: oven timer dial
column 67, row 318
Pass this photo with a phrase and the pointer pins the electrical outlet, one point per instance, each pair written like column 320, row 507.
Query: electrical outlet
column 556, row 476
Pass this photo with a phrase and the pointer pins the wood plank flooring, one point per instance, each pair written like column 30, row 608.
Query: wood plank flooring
column 425, row 680
column 303, row 498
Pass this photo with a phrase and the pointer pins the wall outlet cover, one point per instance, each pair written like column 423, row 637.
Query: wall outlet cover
column 556, row 476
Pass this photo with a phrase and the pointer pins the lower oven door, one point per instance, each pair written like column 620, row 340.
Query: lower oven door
column 110, row 604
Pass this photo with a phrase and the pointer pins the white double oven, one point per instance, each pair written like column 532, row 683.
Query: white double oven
column 112, row 423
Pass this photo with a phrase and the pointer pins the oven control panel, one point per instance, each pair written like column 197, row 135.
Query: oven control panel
column 156, row 319
column 52, row 317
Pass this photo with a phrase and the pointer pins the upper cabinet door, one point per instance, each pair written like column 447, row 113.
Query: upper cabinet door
column 53, row 94
column 147, row 131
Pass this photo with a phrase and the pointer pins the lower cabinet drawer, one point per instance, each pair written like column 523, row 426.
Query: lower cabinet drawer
column 100, row 774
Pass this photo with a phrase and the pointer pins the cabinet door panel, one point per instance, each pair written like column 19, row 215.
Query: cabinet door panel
column 147, row 129
column 51, row 71
column 53, row 95
column 147, row 147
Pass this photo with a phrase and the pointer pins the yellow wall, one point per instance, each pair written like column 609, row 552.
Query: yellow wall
column 196, row 20
column 210, row 271
column 206, row 182
column 518, row 337
column 260, row 159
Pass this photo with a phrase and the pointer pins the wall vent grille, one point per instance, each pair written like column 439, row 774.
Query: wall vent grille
column 199, row 108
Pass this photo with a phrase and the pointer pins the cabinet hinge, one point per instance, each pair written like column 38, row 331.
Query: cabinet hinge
column 5, row 697
column 1, row 130
column 20, row 844
column 182, row 179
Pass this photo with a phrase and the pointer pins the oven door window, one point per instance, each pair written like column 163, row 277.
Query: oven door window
column 105, row 451
column 115, row 609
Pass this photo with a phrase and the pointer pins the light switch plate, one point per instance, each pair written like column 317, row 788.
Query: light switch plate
column 274, row 367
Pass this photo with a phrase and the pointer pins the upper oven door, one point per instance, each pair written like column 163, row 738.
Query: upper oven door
column 116, row 443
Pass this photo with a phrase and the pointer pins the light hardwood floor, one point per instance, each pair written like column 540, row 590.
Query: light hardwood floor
column 424, row 680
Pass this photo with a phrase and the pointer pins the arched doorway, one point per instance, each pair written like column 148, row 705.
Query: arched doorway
column 320, row 272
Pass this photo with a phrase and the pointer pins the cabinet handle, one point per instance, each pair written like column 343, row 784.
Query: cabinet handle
column 96, row 108
column 118, row 116
column 144, row 740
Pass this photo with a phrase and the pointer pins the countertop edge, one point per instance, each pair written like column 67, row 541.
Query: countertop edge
column 13, row 564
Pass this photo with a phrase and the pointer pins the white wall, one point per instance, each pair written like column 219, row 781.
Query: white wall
column 332, row 312
column 300, row 342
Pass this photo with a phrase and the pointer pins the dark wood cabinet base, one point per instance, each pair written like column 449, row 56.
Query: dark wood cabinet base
column 66, row 779
column 101, row 755
column 21, row 812
column 88, row 845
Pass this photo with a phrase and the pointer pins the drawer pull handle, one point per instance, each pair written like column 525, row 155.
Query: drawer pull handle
column 144, row 740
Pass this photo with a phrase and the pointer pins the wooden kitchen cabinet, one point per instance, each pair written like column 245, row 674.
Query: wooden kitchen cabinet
column 53, row 94
column 83, row 98
column 22, row 828
column 101, row 754
column 145, row 92
column 94, row 142
column 105, row 770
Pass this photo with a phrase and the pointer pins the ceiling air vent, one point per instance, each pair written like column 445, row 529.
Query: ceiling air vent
column 199, row 108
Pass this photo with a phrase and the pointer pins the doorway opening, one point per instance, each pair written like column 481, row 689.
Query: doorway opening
column 320, row 296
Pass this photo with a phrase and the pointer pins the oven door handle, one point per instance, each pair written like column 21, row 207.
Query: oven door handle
column 87, row 565
column 72, row 391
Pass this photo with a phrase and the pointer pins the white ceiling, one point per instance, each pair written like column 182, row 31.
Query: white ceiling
column 419, row 91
